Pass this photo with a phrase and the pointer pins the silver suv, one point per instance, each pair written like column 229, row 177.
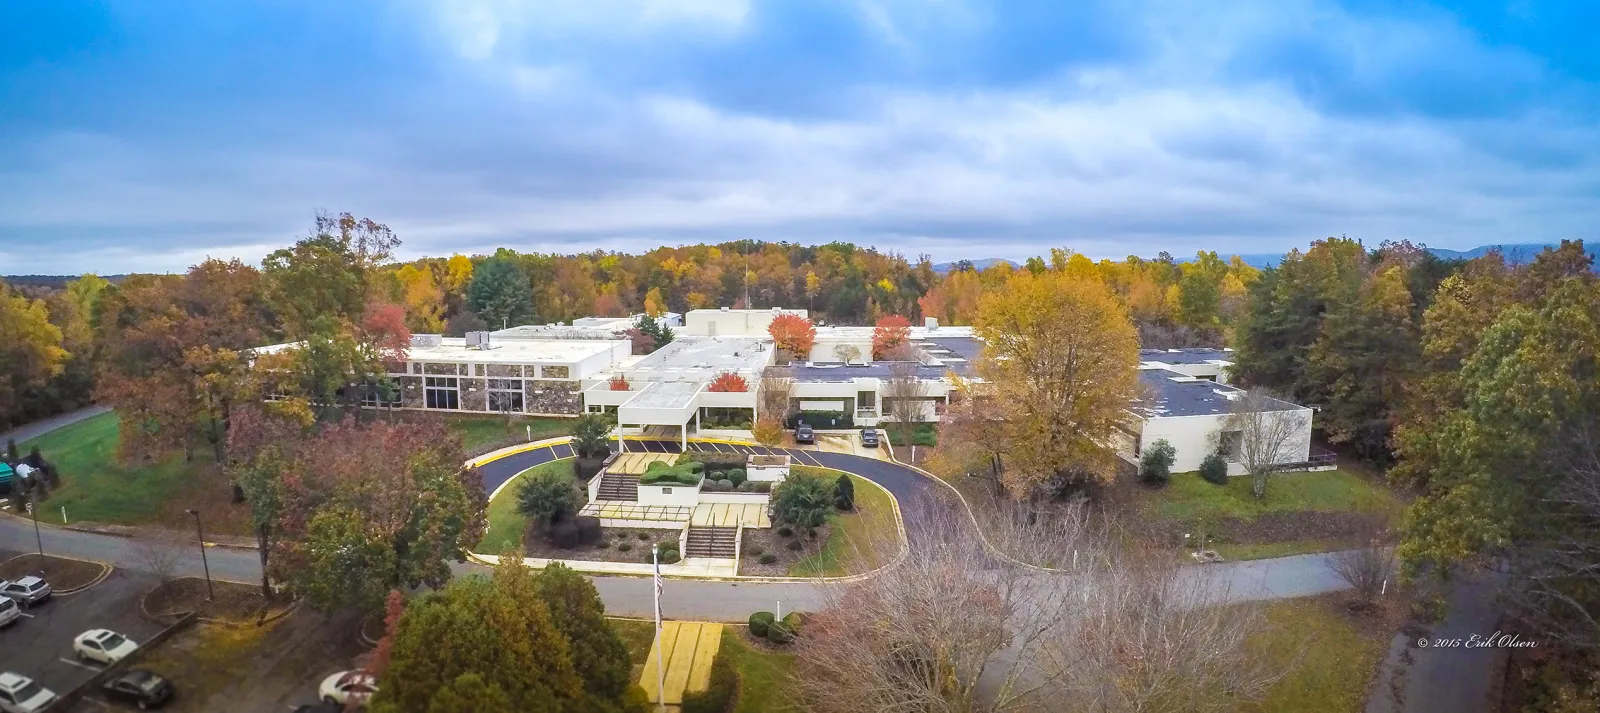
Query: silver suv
column 27, row 591
column 9, row 611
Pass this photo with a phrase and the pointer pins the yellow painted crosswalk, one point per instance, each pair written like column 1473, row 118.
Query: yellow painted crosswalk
column 687, row 648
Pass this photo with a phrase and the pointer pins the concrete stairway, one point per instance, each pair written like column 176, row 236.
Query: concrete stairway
column 711, row 542
column 615, row 486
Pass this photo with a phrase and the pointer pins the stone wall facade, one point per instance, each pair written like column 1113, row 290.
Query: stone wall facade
column 561, row 397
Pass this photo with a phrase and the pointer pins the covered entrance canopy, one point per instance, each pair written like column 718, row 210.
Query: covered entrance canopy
column 661, row 403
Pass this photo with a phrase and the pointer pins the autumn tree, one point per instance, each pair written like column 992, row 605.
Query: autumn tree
column 891, row 338
column 372, row 507
column 1287, row 308
column 30, row 351
column 328, row 274
column 423, row 299
column 793, row 334
column 1059, row 360
column 500, row 294
column 903, row 397
column 1506, row 455
column 1363, row 361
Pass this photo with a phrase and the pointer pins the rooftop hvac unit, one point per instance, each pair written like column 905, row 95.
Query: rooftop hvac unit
column 931, row 322
column 477, row 340
column 423, row 341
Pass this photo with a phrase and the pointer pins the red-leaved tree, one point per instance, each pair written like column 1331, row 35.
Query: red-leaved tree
column 619, row 383
column 728, row 381
column 793, row 333
column 891, row 338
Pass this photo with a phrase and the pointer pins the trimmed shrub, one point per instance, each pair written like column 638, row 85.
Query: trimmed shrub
column 768, row 558
column 785, row 531
column 717, row 474
column 759, row 622
column 761, row 486
column 642, row 535
column 736, row 475
column 795, row 544
column 1214, row 469
column 588, row 530
column 811, row 532
column 670, row 556
column 604, row 544
column 754, row 550
column 746, row 487
column 779, row 633
column 564, row 535
column 844, row 493
column 794, row 620
column 719, row 486
column 1155, row 466
column 720, row 691
column 624, row 545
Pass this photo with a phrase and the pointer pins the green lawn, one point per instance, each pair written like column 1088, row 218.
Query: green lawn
column 638, row 635
column 860, row 540
column 479, row 432
column 762, row 676
column 506, row 525
column 1190, row 497
column 1338, row 657
column 94, row 487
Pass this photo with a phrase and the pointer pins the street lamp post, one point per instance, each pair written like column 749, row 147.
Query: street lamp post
column 211, row 594
column 37, row 538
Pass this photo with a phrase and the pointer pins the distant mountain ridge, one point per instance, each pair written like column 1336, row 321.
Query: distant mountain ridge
column 1515, row 253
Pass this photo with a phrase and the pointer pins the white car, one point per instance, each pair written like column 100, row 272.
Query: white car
column 20, row 694
column 103, row 645
column 346, row 687
column 10, row 613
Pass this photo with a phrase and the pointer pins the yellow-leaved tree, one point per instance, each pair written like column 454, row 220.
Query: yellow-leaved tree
column 1059, row 365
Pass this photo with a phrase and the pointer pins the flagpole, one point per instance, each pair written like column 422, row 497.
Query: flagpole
column 661, row 671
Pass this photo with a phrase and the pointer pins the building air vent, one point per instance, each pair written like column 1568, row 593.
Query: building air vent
column 425, row 341
column 478, row 340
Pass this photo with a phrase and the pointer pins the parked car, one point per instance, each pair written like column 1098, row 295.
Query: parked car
column 27, row 591
column 103, row 645
column 142, row 688
column 10, row 613
column 804, row 434
column 320, row 708
column 869, row 437
column 348, row 687
column 20, row 694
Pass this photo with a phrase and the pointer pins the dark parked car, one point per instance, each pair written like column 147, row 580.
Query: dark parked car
column 804, row 434
column 320, row 708
column 141, row 688
column 869, row 437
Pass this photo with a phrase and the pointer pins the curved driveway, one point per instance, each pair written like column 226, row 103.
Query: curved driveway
column 917, row 493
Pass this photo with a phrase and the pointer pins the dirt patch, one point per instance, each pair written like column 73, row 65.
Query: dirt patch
column 1335, row 528
column 758, row 542
column 63, row 574
column 232, row 602
column 617, row 544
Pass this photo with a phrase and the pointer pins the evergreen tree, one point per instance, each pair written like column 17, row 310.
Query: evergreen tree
column 500, row 294
column 598, row 654
column 1362, row 362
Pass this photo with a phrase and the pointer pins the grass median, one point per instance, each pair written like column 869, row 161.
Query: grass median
column 507, row 526
column 859, row 540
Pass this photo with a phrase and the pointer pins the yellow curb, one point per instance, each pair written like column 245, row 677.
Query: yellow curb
column 513, row 450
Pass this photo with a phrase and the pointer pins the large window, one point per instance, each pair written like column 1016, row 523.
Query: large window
column 505, row 395
column 373, row 396
column 444, row 393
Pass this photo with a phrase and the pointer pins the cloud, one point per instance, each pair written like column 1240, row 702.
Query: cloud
column 910, row 126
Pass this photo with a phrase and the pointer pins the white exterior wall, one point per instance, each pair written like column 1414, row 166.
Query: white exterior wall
column 685, row 495
column 824, row 348
column 729, row 399
column 1195, row 437
column 768, row 474
column 733, row 322
column 600, row 362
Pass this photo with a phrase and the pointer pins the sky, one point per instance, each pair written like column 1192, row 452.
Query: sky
column 148, row 135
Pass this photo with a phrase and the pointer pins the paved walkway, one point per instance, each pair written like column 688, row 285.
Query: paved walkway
column 38, row 428
column 1457, row 679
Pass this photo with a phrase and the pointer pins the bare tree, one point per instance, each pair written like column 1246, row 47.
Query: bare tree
column 157, row 553
column 777, row 395
column 847, row 353
column 902, row 395
column 965, row 624
column 1366, row 569
column 1265, row 433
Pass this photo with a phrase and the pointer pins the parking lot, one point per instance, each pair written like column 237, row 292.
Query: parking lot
column 40, row 644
